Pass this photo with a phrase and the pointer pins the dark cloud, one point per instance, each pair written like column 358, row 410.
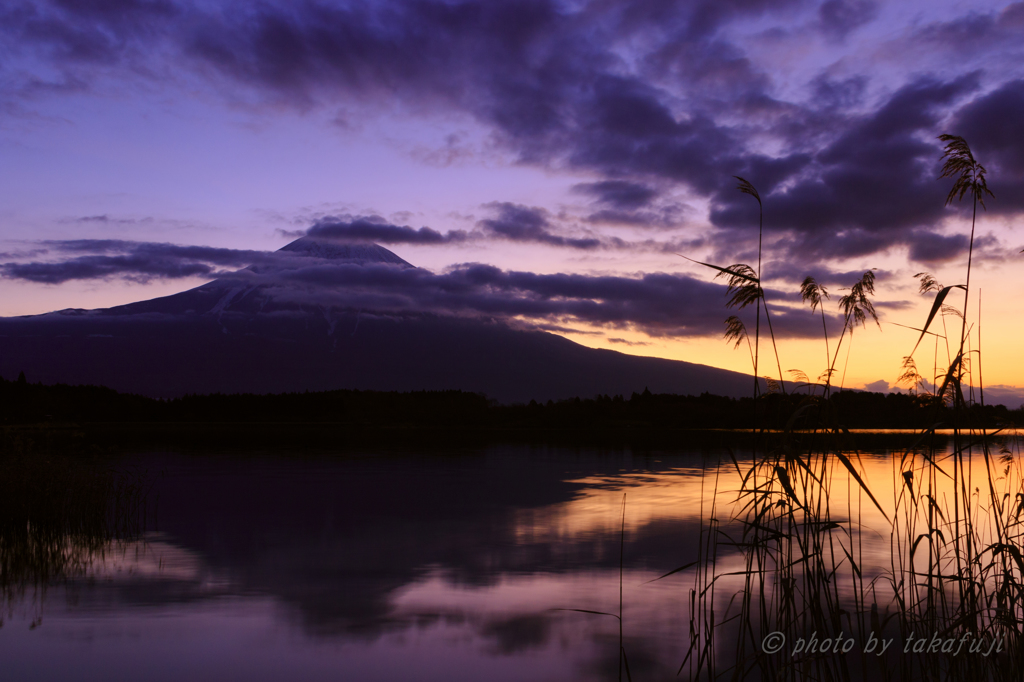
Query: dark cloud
column 145, row 261
column 542, row 75
column 639, row 94
column 1012, row 16
column 620, row 194
column 971, row 33
column 135, row 268
column 563, row 330
column 108, row 220
column 525, row 224
column 658, row 304
column 794, row 274
column 664, row 217
column 133, row 261
column 624, row 127
column 512, row 222
column 623, row 202
column 994, row 127
column 626, row 342
column 362, row 230
column 928, row 247
column 93, row 32
column 25, row 253
column 838, row 17
column 117, row 11
column 874, row 186
column 685, row 19
column 833, row 94
column 713, row 70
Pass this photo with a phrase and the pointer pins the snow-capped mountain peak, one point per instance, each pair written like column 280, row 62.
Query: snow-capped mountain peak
column 357, row 252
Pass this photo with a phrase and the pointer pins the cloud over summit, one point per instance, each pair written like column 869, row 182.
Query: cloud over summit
column 658, row 304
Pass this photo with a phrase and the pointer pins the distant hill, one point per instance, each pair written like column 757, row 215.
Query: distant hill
column 236, row 336
column 638, row 417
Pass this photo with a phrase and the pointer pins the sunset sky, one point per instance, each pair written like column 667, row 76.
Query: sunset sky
column 575, row 147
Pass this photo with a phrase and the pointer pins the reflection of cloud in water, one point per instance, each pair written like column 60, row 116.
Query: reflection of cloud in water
column 406, row 563
column 151, row 558
column 652, row 499
column 451, row 564
column 333, row 540
column 531, row 613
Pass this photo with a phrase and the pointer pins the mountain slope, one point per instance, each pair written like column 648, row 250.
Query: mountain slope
column 239, row 335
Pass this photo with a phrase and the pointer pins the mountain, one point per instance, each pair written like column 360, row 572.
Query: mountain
column 261, row 330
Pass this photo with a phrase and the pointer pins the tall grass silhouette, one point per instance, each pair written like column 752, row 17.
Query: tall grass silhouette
column 58, row 514
column 791, row 562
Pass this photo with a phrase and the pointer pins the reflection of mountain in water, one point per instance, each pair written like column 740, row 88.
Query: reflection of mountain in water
column 337, row 540
column 378, row 558
column 264, row 329
column 377, row 567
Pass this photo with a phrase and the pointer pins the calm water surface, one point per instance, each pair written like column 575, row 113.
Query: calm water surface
column 396, row 566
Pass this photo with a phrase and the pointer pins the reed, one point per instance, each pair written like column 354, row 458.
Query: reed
column 58, row 514
column 793, row 565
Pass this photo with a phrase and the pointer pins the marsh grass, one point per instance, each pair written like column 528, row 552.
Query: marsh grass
column 59, row 514
column 794, row 558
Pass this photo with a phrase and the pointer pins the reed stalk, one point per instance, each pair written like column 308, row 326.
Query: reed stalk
column 955, row 569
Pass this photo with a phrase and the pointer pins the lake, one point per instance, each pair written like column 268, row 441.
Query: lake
column 472, row 564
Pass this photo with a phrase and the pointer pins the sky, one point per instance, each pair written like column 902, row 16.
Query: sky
column 543, row 162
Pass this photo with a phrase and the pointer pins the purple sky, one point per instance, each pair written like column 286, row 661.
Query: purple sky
column 580, row 143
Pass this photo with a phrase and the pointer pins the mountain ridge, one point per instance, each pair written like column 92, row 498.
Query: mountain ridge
column 253, row 332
